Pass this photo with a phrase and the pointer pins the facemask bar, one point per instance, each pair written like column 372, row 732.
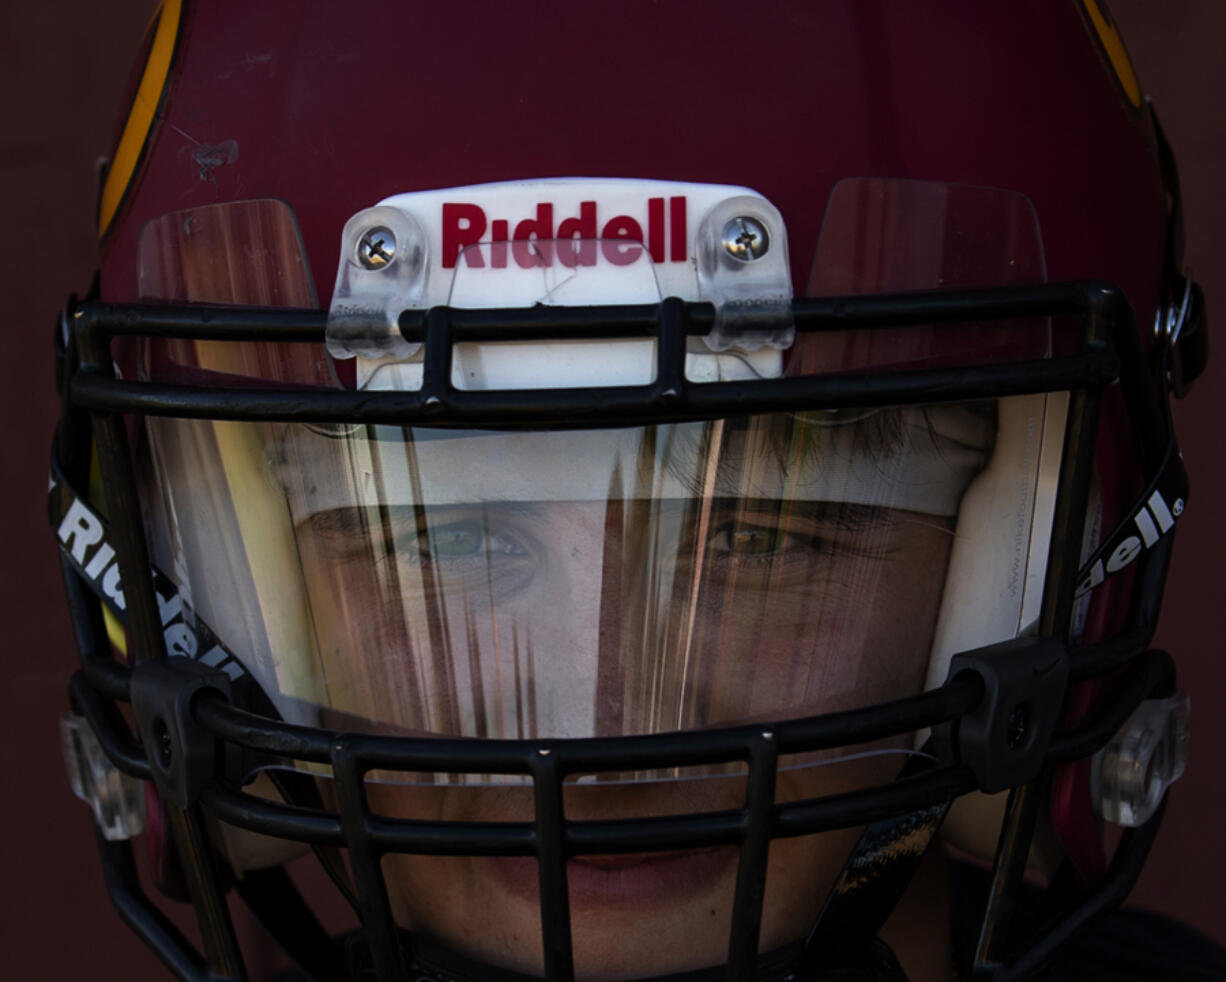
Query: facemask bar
column 669, row 399
column 1009, row 257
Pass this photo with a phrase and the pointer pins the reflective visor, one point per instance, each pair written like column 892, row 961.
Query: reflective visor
column 613, row 582
column 566, row 583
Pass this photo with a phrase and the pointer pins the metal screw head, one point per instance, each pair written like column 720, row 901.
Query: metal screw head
column 377, row 247
column 745, row 238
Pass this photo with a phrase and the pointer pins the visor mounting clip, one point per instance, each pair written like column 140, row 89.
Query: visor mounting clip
column 182, row 754
column 1004, row 738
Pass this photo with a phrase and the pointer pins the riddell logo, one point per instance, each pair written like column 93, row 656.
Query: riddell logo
column 81, row 531
column 578, row 240
column 1152, row 520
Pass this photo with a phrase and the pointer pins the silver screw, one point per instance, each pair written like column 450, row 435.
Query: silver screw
column 745, row 239
column 377, row 247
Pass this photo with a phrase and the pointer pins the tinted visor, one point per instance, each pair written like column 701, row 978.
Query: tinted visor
column 563, row 583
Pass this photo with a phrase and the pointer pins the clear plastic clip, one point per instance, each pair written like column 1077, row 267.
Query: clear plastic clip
column 743, row 270
column 117, row 800
column 1131, row 774
column 383, row 270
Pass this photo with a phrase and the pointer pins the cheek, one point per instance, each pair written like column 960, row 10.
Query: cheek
column 898, row 642
column 457, row 648
column 450, row 897
column 800, row 875
column 802, row 871
column 809, row 647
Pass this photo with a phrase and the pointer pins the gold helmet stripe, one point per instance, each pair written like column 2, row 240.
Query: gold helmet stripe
column 1113, row 46
column 142, row 114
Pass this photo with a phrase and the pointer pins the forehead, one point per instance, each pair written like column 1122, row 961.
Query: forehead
column 910, row 459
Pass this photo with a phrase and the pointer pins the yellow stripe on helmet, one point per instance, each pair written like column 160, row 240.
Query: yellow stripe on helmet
column 1113, row 47
column 142, row 114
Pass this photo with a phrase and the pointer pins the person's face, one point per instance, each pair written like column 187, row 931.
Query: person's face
column 569, row 621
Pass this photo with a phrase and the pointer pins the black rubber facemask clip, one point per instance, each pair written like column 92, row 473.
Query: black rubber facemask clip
column 1004, row 740
column 182, row 754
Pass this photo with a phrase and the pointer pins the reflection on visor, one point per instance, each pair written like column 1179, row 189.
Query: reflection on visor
column 540, row 585
column 619, row 581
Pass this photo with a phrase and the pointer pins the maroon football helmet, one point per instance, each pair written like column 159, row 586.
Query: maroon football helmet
column 733, row 451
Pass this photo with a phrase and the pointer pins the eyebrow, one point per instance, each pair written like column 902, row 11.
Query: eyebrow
column 843, row 515
column 358, row 519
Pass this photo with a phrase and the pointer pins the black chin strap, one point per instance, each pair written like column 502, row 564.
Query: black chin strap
column 873, row 880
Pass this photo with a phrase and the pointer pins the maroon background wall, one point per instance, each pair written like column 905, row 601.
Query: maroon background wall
column 62, row 74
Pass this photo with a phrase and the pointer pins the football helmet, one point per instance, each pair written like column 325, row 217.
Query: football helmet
column 734, row 448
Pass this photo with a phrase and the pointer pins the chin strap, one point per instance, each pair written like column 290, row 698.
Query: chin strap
column 873, row 880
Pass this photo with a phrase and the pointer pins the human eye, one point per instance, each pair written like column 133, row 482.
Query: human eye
column 475, row 552
column 773, row 535
column 458, row 551
column 417, row 537
column 467, row 539
column 749, row 540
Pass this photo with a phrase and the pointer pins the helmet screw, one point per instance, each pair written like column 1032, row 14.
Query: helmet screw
column 745, row 239
column 1019, row 727
column 377, row 247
